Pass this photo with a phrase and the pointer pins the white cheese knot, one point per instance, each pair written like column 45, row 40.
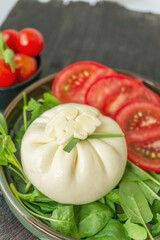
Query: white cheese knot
column 72, row 121
column 93, row 167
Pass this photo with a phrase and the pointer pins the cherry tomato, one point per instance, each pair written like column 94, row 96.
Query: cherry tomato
column 109, row 93
column 73, row 81
column 25, row 66
column 7, row 77
column 30, row 41
column 10, row 37
column 140, row 121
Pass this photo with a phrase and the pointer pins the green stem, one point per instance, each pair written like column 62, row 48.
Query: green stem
column 14, row 170
column 13, row 160
column 110, row 135
column 25, row 110
column 144, row 224
column 74, row 141
column 34, row 211
column 27, row 187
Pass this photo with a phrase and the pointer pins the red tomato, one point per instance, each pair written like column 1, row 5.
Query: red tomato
column 7, row 77
column 30, row 41
column 140, row 121
column 128, row 93
column 25, row 66
column 109, row 93
column 10, row 37
column 73, row 81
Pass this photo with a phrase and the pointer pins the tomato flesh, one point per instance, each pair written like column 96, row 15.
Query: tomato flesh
column 138, row 116
column 109, row 93
column 73, row 81
column 7, row 77
column 146, row 155
column 140, row 121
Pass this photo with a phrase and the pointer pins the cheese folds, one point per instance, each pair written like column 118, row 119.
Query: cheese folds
column 93, row 167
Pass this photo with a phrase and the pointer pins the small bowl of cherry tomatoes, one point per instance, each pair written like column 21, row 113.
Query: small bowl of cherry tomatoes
column 20, row 61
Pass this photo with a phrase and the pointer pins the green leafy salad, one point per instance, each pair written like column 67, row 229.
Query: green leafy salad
column 129, row 211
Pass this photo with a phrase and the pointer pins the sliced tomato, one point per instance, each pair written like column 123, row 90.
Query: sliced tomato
column 109, row 93
column 140, row 121
column 129, row 91
column 138, row 116
column 73, row 81
column 104, row 90
column 146, row 154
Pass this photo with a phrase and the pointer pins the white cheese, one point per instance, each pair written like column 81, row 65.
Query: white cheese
column 93, row 167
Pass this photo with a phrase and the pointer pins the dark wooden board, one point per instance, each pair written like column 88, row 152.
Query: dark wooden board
column 106, row 33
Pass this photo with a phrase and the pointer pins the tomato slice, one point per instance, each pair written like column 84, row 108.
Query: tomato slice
column 138, row 116
column 103, row 90
column 73, row 81
column 145, row 154
column 129, row 91
column 140, row 121
column 109, row 93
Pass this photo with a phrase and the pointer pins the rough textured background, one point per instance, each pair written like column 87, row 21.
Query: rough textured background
column 106, row 33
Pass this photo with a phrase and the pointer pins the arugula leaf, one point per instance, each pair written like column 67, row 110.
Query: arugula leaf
column 114, row 230
column 37, row 108
column 2, row 44
column 135, row 204
column 135, row 231
column 102, row 200
column 9, row 58
column 48, row 207
column 37, row 196
column 149, row 189
column 111, row 204
column 122, row 217
column 155, row 207
column 92, row 217
column 142, row 174
column 114, row 196
column 3, row 124
column 156, row 227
